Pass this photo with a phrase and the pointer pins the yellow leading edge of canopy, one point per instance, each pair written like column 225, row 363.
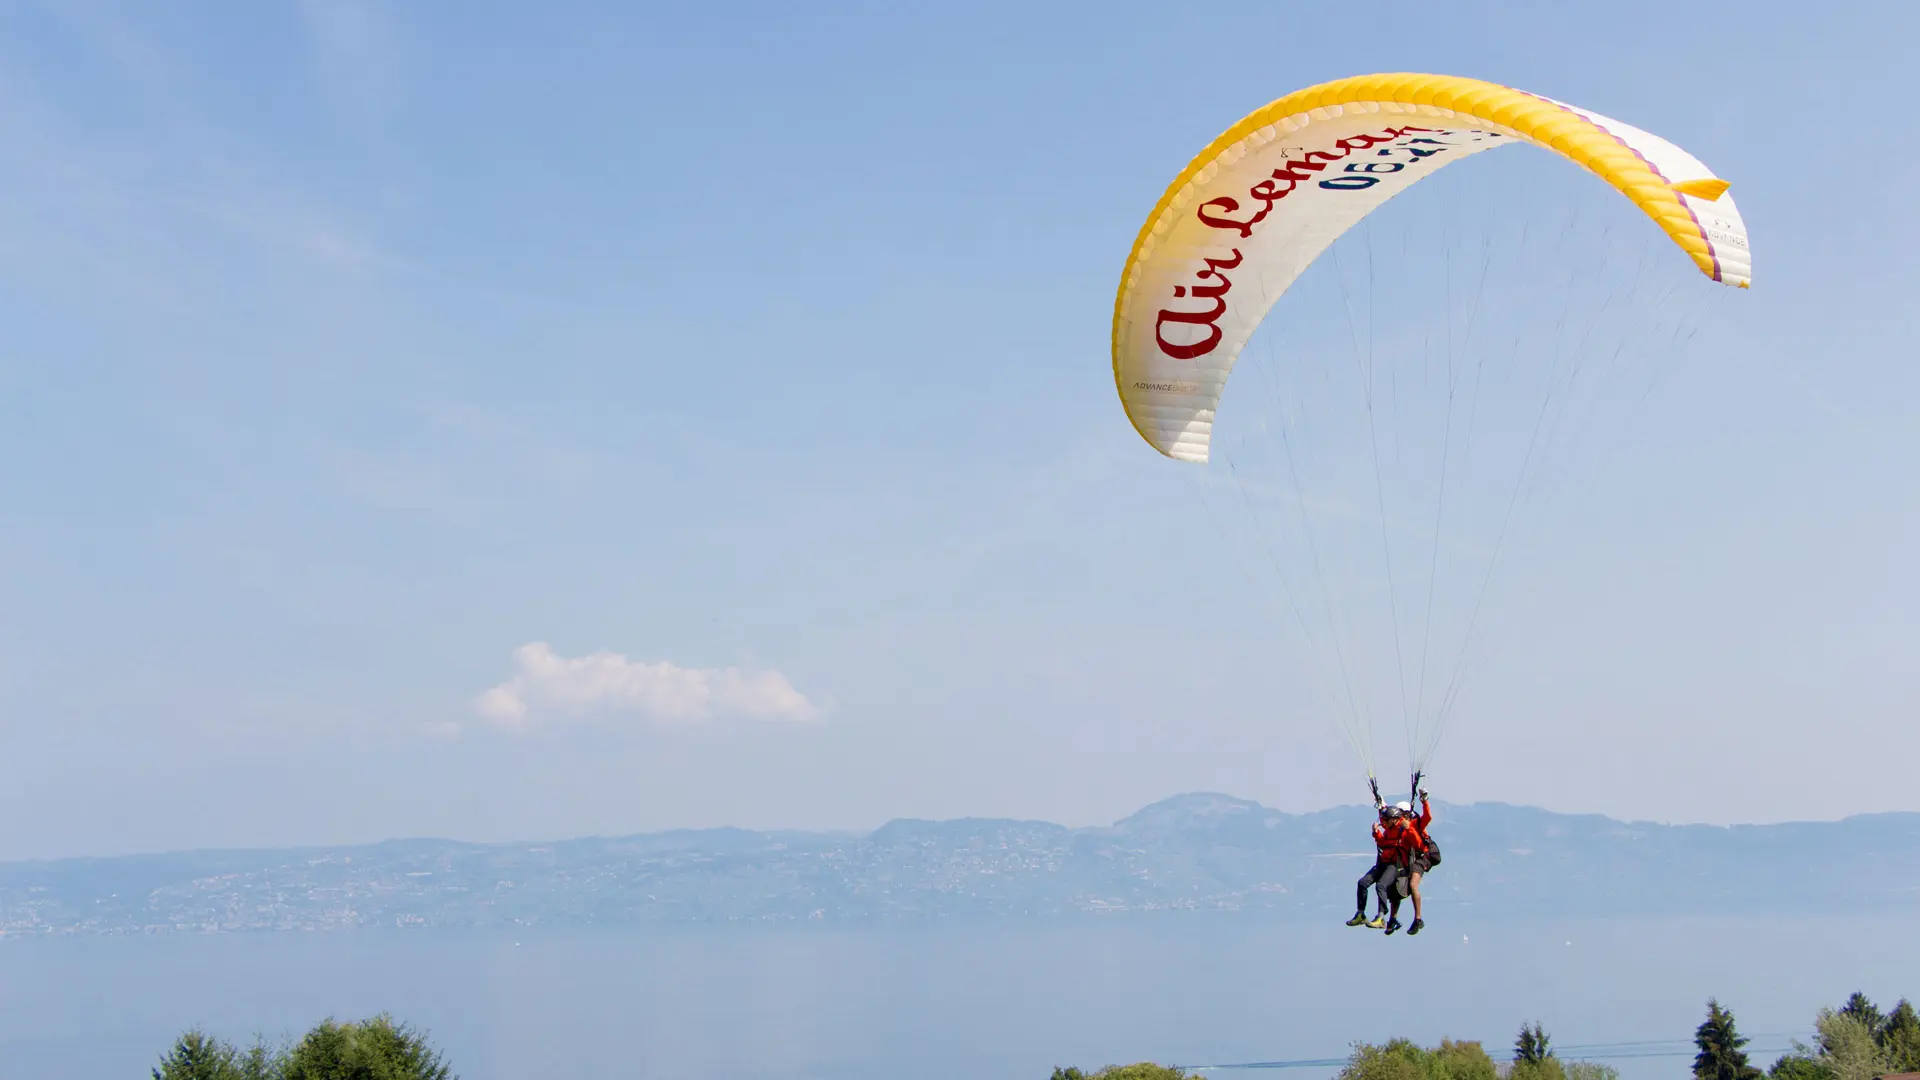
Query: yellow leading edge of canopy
column 1540, row 122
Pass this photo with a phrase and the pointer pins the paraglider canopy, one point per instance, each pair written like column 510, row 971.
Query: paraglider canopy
column 1261, row 203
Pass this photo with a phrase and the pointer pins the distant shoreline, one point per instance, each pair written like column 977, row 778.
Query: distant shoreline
column 854, row 834
column 1191, row 855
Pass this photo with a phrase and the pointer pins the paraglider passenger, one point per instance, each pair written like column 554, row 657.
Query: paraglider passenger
column 1386, row 868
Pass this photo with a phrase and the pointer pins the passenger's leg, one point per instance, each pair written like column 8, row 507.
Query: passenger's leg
column 1384, row 890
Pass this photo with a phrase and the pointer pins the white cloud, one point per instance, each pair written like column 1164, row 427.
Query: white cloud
column 549, row 689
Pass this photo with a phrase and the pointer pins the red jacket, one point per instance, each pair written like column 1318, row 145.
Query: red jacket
column 1417, row 828
column 1399, row 841
column 1382, row 846
column 1390, row 841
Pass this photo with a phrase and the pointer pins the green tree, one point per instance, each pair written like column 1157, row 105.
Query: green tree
column 1144, row 1070
column 1533, row 1046
column 376, row 1049
column 259, row 1062
column 197, row 1055
column 1397, row 1059
column 1846, row 1045
column 1533, row 1056
column 1859, row 1008
column 1900, row 1038
column 1462, row 1061
column 1721, row 1056
column 1800, row 1065
column 1591, row 1070
column 1400, row 1059
column 1547, row 1068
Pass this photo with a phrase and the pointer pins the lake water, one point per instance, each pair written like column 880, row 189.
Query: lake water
column 961, row 1003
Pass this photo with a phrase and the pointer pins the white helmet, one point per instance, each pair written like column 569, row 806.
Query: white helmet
column 1404, row 807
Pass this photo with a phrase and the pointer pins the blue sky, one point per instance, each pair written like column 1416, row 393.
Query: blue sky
column 349, row 349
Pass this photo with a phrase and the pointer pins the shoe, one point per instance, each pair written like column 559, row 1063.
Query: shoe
column 1359, row 919
column 1392, row 926
column 1376, row 922
column 1415, row 928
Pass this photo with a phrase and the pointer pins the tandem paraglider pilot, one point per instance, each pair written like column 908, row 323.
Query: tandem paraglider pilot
column 1403, row 853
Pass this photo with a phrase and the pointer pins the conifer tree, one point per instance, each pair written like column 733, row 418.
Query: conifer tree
column 1533, row 1046
column 1721, row 1056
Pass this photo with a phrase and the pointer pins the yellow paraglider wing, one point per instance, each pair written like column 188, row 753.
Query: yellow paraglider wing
column 1260, row 204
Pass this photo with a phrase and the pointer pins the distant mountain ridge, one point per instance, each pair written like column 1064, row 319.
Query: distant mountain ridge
column 1199, row 852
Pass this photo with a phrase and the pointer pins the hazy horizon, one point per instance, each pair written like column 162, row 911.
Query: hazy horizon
column 858, row 830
